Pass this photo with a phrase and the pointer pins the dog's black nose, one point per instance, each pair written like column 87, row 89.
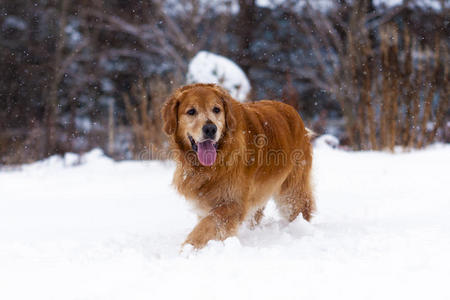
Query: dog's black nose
column 209, row 131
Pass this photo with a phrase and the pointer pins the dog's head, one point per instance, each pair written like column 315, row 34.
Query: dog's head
column 198, row 116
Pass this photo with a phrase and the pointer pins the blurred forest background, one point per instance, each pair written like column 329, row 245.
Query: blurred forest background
column 89, row 73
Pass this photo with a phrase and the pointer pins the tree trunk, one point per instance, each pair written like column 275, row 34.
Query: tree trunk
column 246, row 18
column 51, row 110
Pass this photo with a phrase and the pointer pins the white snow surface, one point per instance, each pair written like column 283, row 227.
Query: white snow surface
column 325, row 5
column 207, row 67
column 428, row 4
column 112, row 230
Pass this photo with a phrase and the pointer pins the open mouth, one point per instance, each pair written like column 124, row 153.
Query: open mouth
column 206, row 151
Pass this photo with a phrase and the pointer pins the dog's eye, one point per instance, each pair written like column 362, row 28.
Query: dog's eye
column 216, row 110
column 191, row 112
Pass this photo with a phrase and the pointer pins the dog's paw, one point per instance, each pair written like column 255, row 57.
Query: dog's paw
column 195, row 241
column 205, row 231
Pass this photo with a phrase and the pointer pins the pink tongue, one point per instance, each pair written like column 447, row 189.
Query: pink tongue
column 206, row 153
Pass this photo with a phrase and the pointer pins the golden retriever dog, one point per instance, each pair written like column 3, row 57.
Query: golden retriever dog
column 232, row 157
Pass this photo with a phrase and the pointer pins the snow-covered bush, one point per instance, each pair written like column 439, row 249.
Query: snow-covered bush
column 326, row 141
column 207, row 67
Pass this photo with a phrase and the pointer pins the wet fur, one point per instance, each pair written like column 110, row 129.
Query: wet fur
column 246, row 173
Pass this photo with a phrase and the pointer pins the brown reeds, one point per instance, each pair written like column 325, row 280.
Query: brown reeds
column 143, row 112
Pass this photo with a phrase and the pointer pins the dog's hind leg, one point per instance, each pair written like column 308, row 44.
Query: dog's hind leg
column 256, row 218
column 296, row 195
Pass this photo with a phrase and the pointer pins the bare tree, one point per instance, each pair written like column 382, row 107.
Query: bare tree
column 159, row 32
column 59, row 65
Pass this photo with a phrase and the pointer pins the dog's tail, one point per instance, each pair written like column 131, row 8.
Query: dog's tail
column 310, row 134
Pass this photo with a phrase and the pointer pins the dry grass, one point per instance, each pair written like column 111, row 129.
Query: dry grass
column 415, row 80
column 143, row 107
column 392, row 89
column 19, row 146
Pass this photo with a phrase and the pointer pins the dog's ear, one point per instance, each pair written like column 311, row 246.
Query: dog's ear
column 169, row 113
column 228, row 107
column 229, row 116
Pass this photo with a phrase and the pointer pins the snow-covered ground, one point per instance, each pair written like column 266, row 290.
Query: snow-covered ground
column 107, row 230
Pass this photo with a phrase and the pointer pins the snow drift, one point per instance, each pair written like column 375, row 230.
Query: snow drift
column 207, row 67
column 112, row 230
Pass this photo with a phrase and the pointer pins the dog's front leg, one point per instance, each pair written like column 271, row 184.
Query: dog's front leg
column 222, row 222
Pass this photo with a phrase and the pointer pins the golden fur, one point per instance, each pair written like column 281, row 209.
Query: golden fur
column 263, row 151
